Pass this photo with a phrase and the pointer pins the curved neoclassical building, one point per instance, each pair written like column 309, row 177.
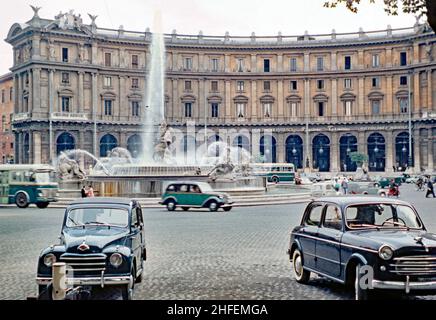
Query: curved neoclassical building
column 310, row 99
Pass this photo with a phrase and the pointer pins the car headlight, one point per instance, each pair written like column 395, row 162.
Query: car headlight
column 49, row 260
column 116, row 260
column 385, row 252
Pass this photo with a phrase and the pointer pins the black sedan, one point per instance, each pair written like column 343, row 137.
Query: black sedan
column 102, row 241
column 367, row 243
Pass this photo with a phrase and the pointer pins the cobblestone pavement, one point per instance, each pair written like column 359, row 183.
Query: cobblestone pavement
column 191, row 255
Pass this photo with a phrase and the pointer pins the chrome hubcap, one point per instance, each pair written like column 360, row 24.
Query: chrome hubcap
column 213, row 206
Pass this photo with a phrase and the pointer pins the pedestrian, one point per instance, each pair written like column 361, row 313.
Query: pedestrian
column 337, row 186
column 430, row 189
column 83, row 192
column 345, row 186
column 90, row 192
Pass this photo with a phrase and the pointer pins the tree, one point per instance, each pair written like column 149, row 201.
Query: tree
column 417, row 7
column 359, row 158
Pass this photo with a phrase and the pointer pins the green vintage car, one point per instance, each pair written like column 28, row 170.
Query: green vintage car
column 190, row 194
column 383, row 182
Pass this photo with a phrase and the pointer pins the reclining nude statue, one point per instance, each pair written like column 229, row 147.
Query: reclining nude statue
column 69, row 169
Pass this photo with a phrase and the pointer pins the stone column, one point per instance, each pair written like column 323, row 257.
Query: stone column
column 36, row 90
column 416, row 93
column 175, row 103
column 37, row 152
column 334, row 153
column 175, row 65
column 416, row 53
column 389, row 96
column 227, row 63
column 124, row 108
column 94, row 53
column 20, row 93
column 253, row 63
column 94, row 112
column 307, row 100
column 390, row 151
column 200, row 112
column 228, row 95
column 334, row 97
column 280, row 98
column 361, row 97
column 306, row 62
column 51, row 93
column 81, row 93
column 16, row 99
column 30, row 96
column 417, row 150
column 279, row 63
column 36, row 51
column 361, row 143
column 430, row 150
column 429, row 91
column 280, row 147
column 389, row 59
column 254, row 111
column 334, row 61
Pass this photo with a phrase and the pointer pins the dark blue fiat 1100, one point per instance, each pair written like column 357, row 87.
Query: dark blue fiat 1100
column 102, row 242
column 367, row 243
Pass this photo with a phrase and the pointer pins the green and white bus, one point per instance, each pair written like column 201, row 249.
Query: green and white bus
column 275, row 172
column 28, row 184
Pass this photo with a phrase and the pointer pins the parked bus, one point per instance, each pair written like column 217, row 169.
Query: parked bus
column 275, row 172
column 28, row 184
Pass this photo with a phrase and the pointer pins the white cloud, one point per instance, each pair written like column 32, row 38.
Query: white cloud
column 239, row 17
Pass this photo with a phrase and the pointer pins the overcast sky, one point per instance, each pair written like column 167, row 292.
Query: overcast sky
column 215, row 17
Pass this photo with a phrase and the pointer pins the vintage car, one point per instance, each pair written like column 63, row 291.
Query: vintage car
column 102, row 242
column 383, row 182
column 191, row 194
column 323, row 189
column 348, row 238
column 365, row 188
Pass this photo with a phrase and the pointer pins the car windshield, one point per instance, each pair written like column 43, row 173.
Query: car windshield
column 382, row 216
column 82, row 217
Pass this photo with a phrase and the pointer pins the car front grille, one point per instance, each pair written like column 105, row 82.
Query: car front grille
column 92, row 264
column 415, row 266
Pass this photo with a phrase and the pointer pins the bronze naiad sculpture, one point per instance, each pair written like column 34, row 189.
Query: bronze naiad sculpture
column 69, row 169
column 161, row 149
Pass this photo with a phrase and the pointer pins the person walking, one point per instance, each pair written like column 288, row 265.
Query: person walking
column 90, row 192
column 430, row 189
column 83, row 192
column 345, row 186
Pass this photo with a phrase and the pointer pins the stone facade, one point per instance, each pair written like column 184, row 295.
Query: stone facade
column 316, row 98
column 6, row 112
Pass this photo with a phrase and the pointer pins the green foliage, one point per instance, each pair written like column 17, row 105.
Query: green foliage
column 359, row 158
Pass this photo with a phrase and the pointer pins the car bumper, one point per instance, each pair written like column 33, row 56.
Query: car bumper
column 406, row 286
column 91, row 281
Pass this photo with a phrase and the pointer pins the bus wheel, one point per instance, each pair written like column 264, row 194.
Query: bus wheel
column 42, row 205
column 275, row 180
column 21, row 200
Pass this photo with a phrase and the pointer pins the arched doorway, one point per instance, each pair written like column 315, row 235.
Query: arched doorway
column 321, row 153
column 107, row 144
column 65, row 142
column 294, row 151
column 347, row 145
column 134, row 145
column 402, row 151
column 213, row 146
column 376, row 153
column 268, row 149
column 241, row 142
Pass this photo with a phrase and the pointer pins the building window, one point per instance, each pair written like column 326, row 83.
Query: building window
column 215, row 110
column 64, row 54
column 135, row 83
column 240, row 65
column 135, row 61
column 294, row 85
column 403, row 81
column 108, row 59
column 348, row 106
column 26, row 80
column 188, row 64
column 375, row 106
column 65, row 104
column 294, row 109
column 347, row 83
column 320, row 84
column 3, row 96
column 376, row 82
column 240, row 110
column 321, row 109
column 65, row 78
column 320, row 64
column 11, row 94
column 266, row 65
column 375, row 61
column 188, row 110
column 403, row 58
column 214, row 86
column 107, row 144
column 107, row 107
column 135, row 109
column 107, row 82
column 267, row 110
column 215, row 65
column 240, row 86
column 347, row 63
column 404, row 105
column 267, row 86
column 188, row 85
column 293, row 64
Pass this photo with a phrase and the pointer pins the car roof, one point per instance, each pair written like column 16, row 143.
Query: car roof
column 350, row 200
column 102, row 200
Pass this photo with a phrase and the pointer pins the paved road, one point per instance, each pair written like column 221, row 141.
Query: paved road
column 191, row 255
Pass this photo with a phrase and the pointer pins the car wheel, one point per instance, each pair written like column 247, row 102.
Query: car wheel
column 301, row 275
column 383, row 194
column 171, row 205
column 185, row 209
column 21, row 200
column 213, row 206
column 359, row 292
column 227, row 209
column 376, row 185
column 275, row 180
column 42, row 205
column 127, row 289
